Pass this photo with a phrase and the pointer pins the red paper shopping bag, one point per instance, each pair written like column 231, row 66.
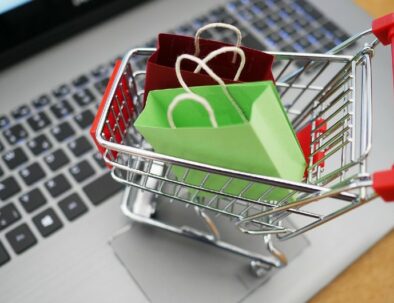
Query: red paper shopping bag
column 160, row 70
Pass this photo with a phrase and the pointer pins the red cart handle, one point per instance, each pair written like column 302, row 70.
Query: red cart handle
column 383, row 184
column 383, row 181
column 383, row 29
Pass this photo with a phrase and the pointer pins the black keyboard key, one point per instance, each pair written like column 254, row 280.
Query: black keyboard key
column 84, row 97
column 289, row 30
column 262, row 6
column 101, row 189
column 100, row 71
column 61, row 91
column 39, row 144
column 47, row 222
column 79, row 146
column 14, row 158
column 62, row 131
column 98, row 157
column 101, row 85
column 57, row 185
column 32, row 200
column 1, row 172
column 8, row 215
column 20, row 112
column 288, row 10
column 15, row 134
column 4, row 121
column 84, row 119
column 186, row 30
column 73, row 207
column 329, row 45
column 252, row 42
column 198, row 22
column 302, row 23
column 318, row 35
column 62, row 109
column 32, row 173
column 288, row 48
column 226, row 19
column 261, row 25
column 305, row 44
column 21, row 238
column 4, row 256
column 8, row 188
column 39, row 121
column 309, row 9
column 81, row 171
column 56, row 160
column 80, row 81
column 1, row 147
column 274, row 38
column 41, row 101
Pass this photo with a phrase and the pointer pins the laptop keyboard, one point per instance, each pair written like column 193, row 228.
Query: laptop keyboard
column 47, row 155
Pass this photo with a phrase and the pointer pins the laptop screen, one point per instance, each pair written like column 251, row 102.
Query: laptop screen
column 27, row 26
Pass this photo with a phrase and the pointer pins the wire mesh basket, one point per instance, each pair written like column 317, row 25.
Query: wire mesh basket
column 328, row 99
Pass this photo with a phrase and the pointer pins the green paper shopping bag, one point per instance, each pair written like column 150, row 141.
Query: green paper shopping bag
column 237, row 126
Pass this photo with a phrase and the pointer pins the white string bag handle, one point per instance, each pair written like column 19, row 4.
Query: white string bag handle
column 210, row 72
column 215, row 25
column 222, row 50
column 190, row 96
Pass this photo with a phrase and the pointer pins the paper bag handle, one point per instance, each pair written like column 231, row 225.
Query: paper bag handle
column 190, row 96
column 211, row 73
column 214, row 25
column 222, row 50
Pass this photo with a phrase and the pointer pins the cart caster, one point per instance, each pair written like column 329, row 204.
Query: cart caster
column 259, row 269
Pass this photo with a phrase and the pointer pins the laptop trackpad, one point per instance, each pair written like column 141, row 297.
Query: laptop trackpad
column 171, row 268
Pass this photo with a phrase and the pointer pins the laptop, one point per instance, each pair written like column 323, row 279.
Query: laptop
column 62, row 242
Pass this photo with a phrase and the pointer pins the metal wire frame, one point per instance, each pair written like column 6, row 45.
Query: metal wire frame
column 132, row 161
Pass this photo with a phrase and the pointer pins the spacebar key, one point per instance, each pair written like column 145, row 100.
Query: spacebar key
column 102, row 188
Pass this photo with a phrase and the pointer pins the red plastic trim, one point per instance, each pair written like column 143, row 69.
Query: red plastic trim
column 101, row 109
column 383, row 28
column 383, row 184
column 304, row 137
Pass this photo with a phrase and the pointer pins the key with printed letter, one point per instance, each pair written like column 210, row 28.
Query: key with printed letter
column 73, row 207
column 32, row 173
column 62, row 131
column 39, row 144
column 47, row 222
column 57, row 185
column 8, row 215
column 8, row 188
column 15, row 134
column 56, row 160
column 79, row 146
column 15, row 158
column 32, row 200
column 21, row 238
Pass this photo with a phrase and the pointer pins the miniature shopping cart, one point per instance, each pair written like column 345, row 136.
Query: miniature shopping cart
column 328, row 98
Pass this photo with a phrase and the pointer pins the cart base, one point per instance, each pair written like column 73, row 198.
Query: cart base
column 168, row 267
column 139, row 207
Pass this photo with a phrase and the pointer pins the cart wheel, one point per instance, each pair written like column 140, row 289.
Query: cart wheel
column 259, row 269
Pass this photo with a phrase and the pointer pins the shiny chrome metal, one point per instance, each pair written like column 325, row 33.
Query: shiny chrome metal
column 329, row 91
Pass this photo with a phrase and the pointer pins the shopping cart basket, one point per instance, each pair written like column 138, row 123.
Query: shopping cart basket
column 328, row 98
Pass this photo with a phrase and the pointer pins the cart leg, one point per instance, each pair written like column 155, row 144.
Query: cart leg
column 209, row 222
column 261, row 269
column 143, row 203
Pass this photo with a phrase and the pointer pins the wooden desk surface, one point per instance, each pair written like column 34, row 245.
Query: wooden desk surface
column 369, row 279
